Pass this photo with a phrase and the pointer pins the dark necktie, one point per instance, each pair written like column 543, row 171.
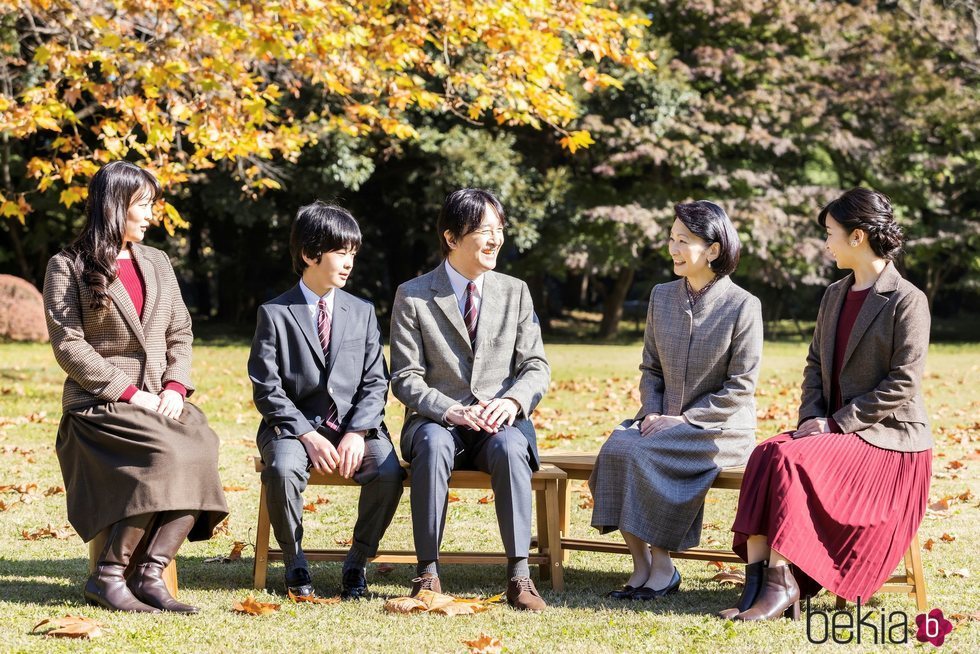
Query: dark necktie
column 323, row 330
column 471, row 313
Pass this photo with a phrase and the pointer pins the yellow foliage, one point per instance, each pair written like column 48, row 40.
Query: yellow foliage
column 184, row 85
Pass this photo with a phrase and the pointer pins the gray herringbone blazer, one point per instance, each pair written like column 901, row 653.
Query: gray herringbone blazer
column 881, row 377
column 702, row 364
column 103, row 351
column 433, row 365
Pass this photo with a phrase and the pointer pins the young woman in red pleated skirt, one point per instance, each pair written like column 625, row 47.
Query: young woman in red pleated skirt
column 836, row 502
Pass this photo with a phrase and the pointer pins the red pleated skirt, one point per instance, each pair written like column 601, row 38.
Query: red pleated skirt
column 841, row 510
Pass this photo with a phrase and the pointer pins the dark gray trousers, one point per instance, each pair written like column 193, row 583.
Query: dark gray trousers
column 287, row 471
column 437, row 451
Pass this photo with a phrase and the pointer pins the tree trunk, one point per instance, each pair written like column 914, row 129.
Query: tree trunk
column 612, row 311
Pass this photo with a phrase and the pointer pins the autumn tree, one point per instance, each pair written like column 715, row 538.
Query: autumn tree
column 183, row 86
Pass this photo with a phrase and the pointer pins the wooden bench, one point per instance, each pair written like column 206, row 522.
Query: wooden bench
column 95, row 549
column 578, row 466
column 545, row 483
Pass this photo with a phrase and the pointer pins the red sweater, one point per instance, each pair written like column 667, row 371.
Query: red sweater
column 132, row 281
column 845, row 323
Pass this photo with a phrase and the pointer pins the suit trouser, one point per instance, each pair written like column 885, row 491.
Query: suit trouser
column 437, row 451
column 287, row 471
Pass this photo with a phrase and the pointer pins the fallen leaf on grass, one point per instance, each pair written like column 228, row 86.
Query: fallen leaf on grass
column 233, row 488
column 454, row 497
column 23, row 489
column 717, row 564
column 234, row 555
column 941, row 505
column 947, row 538
column 959, row 619
column 734, row 577
column 959, row 572
column 384, row 569
column 430, row 602
column 48, row 532
column 54, row 490
column 313, row 600
column 223, row 528
column 311, row 507
column 485, row 644
column 346, row 542
column 4, row 506
column 954, row 465
column 486, row 499
column 965, row 497
column 253, row 607
column 321, row 500
column 587, row 502
column 929, row 544
column 70, row 626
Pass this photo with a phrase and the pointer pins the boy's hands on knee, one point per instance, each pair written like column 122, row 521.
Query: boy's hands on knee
column 351, row 453
column 323, row 455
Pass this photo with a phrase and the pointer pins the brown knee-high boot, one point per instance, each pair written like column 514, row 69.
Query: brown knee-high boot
column 166, row 537
column 753, row 584
column 106, row 586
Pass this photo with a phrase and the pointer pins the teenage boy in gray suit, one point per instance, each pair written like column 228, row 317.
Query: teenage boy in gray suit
column 320, row 382
column 469, row 366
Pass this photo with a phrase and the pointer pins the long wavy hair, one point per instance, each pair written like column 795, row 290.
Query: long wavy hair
column 110, row 194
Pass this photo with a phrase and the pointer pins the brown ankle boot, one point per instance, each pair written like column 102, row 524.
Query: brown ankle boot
column 753, row 583
column 780, row 595
column 106, row 587
column 166, row 537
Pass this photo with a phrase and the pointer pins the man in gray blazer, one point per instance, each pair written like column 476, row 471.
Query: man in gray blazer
column 320, row 382
column 469, row 366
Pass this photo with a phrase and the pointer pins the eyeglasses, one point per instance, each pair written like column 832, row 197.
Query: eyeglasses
column 487, row 232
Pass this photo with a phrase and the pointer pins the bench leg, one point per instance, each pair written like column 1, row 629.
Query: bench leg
column 565, row 512
column 913, row 569
column 261, row 564
column 541, row 509
column 553, row 528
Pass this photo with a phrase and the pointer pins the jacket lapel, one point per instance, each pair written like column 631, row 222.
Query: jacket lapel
column 887, row 282
column 124, row 304
column 300, row 311
column 338, row 323
column 445, row 299
column 490, row 320
column 150, row 280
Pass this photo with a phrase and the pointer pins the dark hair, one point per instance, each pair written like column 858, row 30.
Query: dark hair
column 320, row 228
column 710, row 223
column 871, row 212
column 110, row 193
column 463, row 212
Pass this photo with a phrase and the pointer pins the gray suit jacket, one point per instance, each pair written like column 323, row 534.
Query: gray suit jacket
column 881, row 377
column 434, row 366
column 103, row 351
column 292, row 380
column 702, row 364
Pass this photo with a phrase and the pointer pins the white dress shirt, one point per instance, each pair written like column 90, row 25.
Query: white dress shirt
column 459, row 288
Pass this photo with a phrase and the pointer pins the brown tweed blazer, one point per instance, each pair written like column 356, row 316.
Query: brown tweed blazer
column 103, row 351
column 881, row 377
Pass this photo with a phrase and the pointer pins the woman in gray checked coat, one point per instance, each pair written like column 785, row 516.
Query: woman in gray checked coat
column 701, row 353
column 139, row 463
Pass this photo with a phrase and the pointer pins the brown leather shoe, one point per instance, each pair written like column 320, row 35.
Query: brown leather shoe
column 780, row 595
column 427, row 581
column 523, row 596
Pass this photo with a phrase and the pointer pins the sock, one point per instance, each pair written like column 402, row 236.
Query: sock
column 356, row 558
column 427, row 567
column 517, row 567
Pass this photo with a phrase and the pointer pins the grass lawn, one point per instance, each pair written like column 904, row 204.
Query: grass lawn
column 592, row 390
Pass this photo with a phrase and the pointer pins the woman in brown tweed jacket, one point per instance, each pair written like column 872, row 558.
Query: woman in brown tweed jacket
column 138, row 462
column 701, row 355
column 842, row 495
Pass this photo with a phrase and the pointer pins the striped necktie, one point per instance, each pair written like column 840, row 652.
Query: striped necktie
column 471, row 313
column 323, row 330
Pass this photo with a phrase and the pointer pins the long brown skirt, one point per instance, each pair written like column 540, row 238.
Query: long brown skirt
column 120, row 460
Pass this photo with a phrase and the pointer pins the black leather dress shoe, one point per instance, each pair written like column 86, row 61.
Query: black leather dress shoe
column 300, row 583
column 646, row 593
column 354, row 585
column 624, row 593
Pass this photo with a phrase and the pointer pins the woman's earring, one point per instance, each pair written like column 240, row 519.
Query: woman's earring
column 854, row 244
